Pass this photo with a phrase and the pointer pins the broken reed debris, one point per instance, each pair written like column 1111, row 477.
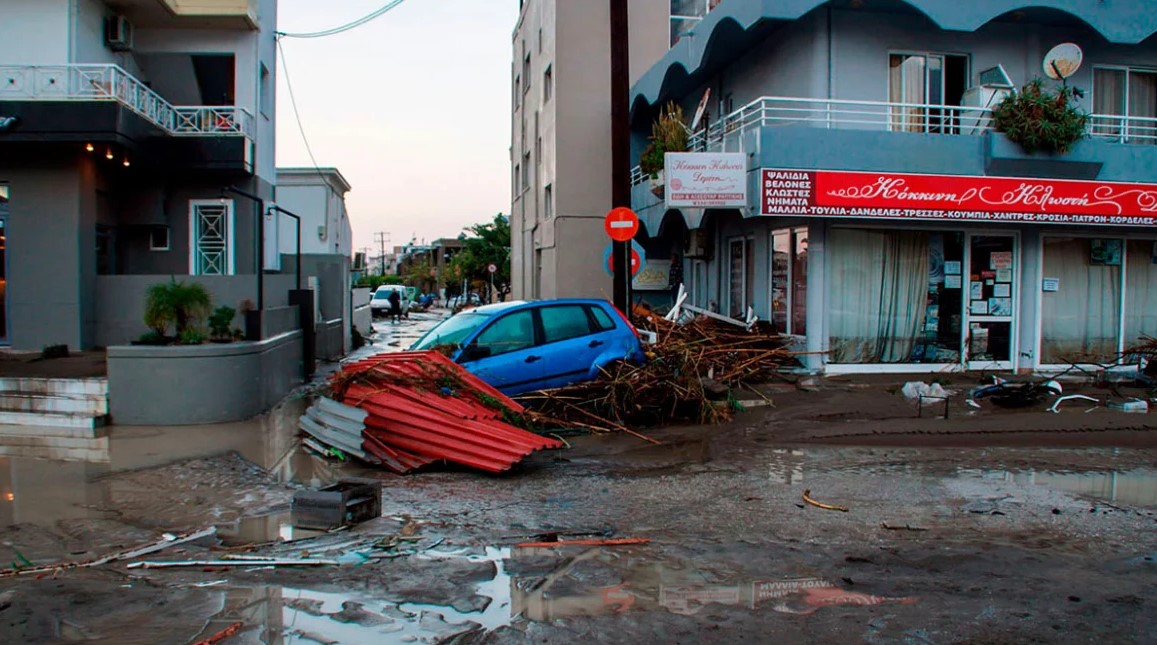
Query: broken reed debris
column 675, row 383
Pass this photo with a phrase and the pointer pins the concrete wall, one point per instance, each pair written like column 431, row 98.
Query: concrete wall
column 201, row 383
column 120, row 300
column 50, row 251
column 330, row 340
column 34, row 33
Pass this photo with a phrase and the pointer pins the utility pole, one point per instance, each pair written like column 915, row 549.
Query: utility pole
column 381, row 237
column 620, row 148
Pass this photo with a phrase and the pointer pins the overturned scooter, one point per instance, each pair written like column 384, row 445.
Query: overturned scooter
column 1007, row 394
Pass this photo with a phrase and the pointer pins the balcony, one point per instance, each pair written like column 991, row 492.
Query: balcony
column 223, row 14
column 728, row 133
column 111, row 84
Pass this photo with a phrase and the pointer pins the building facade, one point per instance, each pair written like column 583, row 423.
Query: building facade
column 124, row 121
column 884, row 221
column 317, row 197
column 561, row 137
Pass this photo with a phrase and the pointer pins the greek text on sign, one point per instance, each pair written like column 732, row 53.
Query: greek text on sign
column 705, row 179
column 824, row 193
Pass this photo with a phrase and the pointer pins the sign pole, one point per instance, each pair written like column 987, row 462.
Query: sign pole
column 620, row 149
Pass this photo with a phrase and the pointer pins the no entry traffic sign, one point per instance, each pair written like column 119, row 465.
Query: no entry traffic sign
column 621, row 224
column 638, row 258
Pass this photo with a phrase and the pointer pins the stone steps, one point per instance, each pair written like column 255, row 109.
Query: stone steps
column 48, row 406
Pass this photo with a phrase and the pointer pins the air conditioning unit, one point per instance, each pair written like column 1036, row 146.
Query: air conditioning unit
column 992, row 87
column 698, row 244
column 118, row 33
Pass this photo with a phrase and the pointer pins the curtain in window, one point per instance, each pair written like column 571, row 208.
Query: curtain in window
column 906, row 76
column 1081, row 320
column 1142, row 104
column 879, row 290
column 1108, row 99
column 1140, row 290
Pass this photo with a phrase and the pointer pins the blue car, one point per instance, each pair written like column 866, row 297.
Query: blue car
column 525, row 346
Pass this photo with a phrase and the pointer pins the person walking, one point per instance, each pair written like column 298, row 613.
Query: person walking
column 395, row 306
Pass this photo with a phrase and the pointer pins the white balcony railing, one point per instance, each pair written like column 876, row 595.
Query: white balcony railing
column 768, row 111
column 112, row 83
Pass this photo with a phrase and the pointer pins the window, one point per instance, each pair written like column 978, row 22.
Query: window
column 517, row 90
column 211, row 236
column 548, row 202
column 741, row 276
column 547, row 83
column 1131, row 96
column 540, row 40
column 526, row 71
column 921, row 82
column 685, row 14
column 159, row 238
column 526, row 171
column 789, row 281
column 517, row 176
column 266, row 90
column 603, row 321
column 565, row 322
column 509, row 333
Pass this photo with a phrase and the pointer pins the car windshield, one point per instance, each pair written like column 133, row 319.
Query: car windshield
column 452, row 331
column 382, row 295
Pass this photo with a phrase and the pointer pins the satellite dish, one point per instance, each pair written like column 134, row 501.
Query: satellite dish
column 700, row 110
column 1063, row 61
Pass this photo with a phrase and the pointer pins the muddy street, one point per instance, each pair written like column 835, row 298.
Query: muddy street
column 989, row 542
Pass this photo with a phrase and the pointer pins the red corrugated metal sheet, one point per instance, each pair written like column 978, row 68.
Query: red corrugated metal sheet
column 424, row 407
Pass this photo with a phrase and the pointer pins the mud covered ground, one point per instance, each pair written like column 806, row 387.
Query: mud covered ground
column 938, row 546
column 988, row 527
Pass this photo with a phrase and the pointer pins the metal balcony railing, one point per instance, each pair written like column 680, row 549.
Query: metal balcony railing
column 112, row 83
column 769, row 111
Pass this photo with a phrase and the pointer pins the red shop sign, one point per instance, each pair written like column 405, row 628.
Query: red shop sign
column 825, row 193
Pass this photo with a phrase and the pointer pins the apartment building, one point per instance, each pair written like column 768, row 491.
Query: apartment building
column 561, row 136
column 878, row 214
column 123, row 121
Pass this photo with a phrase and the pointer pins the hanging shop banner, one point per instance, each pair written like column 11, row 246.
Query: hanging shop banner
column 825, row 193
column 705, row 179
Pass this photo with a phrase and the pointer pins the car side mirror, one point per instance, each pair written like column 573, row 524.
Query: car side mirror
column 474, row 352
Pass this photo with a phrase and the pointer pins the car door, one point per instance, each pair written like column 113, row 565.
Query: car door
column 570, row 343
column 509, row 356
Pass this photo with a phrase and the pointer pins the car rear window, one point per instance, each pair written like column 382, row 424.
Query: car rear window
column 564, row 321
column 603, row 320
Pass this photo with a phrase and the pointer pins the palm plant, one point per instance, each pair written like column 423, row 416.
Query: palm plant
column 178, row 303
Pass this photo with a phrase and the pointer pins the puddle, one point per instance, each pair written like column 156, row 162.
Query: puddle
column 529, row 585
column 1132, row 487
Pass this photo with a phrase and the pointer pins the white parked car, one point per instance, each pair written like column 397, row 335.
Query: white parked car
column 380, row 302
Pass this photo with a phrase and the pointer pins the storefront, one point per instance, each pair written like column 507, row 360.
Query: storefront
column 931, row 272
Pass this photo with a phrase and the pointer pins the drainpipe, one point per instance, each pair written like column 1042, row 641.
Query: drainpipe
column 297, row 223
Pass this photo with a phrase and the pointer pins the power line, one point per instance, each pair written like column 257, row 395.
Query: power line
column 346, row 27
column 296, row 114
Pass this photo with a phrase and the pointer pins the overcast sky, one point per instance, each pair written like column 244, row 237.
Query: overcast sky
column 413, row 108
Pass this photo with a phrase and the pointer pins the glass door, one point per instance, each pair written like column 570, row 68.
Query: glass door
column 990, row 342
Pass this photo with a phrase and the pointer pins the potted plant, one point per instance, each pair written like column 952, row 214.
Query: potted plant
column 668, row 134
column 180, row 304
column 221, row 324
column 1040, row 120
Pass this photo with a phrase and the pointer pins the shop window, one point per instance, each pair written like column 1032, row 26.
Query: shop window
column 923, row 82
column 895, row 296
column 1081, row 303
column 741, row 276
column 789, row 281
column 1130, row 94
column 211, row 233
column 1140, row 290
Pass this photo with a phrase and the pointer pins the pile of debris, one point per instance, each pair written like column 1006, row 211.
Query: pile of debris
column 408, row 410
column 690, row 370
